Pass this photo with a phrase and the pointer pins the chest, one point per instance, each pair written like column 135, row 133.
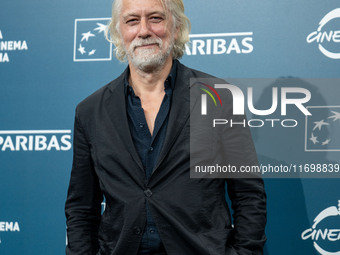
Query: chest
column 151, row 106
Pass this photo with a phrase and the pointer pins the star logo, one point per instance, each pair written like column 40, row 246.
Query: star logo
column 89, row 40
column 326, row 142
column 336, row 116
column 86, row 36
column 322, row 131
column 81, row 49
column 101, row 28
column 92, row 52
column 319, row 124
column 314, row 139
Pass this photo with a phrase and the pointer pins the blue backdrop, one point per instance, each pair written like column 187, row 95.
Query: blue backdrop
column 53, row 54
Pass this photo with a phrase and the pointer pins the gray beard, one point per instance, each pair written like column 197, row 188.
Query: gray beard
column 146, row 60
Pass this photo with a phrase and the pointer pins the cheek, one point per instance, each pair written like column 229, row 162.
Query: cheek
column 160, row 30
column 128, row 34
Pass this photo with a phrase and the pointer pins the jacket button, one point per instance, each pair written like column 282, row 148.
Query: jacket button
column 137, row 230
column 148, row 193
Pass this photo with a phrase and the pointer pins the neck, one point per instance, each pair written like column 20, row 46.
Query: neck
column 149, row 82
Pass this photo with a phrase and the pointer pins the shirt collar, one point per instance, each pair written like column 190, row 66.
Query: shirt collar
column 169, row 82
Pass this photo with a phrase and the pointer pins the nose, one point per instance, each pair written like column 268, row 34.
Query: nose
column 144, row 30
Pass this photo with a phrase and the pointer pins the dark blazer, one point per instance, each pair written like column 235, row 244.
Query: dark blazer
column 191, row 215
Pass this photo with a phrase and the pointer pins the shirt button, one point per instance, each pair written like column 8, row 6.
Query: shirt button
column 151, row 149
column 152, row 231
column 137, row 230
column 141, row 125
column 148, row 193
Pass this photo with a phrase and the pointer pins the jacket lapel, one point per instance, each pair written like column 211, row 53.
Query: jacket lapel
column 115, row 104
column 179, row 111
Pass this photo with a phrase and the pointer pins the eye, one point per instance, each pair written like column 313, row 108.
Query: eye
column 156, row 19
column 132, row 21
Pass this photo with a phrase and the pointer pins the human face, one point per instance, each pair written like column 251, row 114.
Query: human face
column 148, row 33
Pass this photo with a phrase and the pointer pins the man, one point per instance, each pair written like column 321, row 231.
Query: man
column 131, row 145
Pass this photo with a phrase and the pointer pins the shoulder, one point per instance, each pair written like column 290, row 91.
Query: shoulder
column 197, row 80
column 192, row 73
column 196, row 77
column 97, row 98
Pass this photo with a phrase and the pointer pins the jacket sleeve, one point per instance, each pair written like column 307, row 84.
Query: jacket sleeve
column 83, row 204
column 248, row 200
column 246, row 192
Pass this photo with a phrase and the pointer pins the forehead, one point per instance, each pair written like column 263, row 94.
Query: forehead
column 140, row 7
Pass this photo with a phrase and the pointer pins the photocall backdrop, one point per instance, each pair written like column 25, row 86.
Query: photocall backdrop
column 53, row 54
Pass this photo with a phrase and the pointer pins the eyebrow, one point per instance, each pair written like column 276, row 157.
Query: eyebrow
column 128, row 15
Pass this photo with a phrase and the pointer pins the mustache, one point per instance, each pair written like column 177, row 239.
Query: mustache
column 143, row 42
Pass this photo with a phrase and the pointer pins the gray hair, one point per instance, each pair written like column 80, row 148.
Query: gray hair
column 181, row 23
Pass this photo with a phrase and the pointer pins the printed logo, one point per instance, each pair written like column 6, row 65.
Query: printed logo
column 9, row 226
column 220, row 43
column 326, row 37
column 89, row 40
column 322, row 131
column 321, row 233
column 35, row 140
column 9, row 46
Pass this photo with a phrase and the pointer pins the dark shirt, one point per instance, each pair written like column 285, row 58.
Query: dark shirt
column 149, row 147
